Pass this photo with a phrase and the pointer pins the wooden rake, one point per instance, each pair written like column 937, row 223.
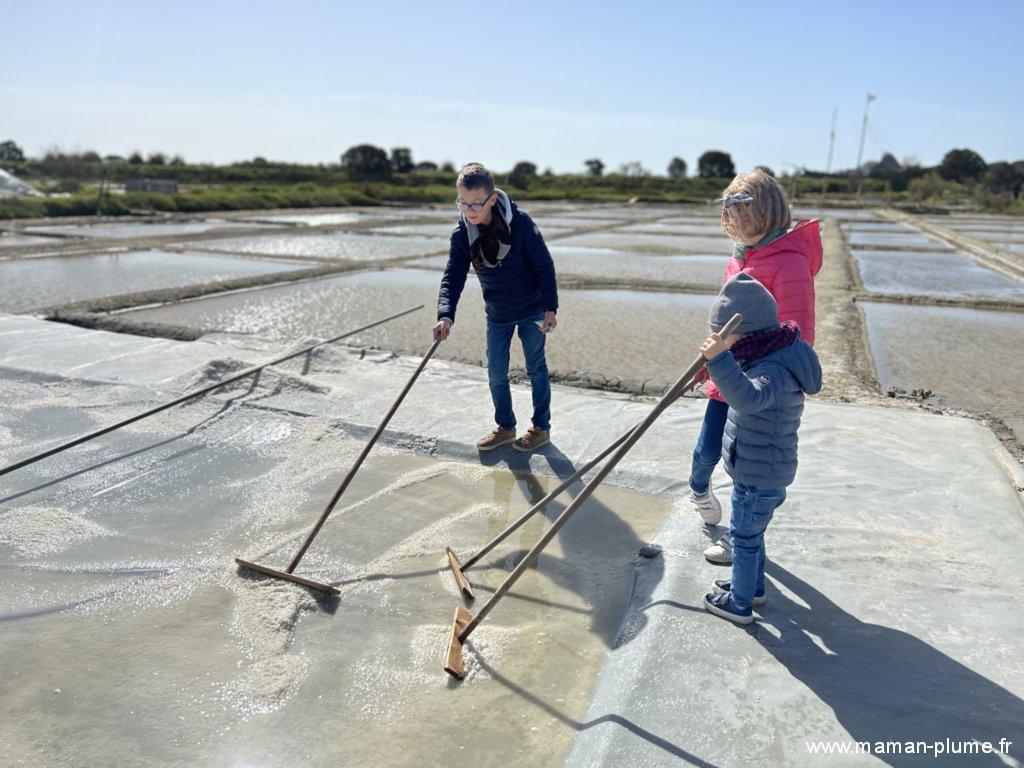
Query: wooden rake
column 459, row 568
column 289, row 573
column 463, row 624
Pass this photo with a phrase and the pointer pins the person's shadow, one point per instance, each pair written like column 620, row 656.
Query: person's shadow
column 886, row 685
column 594, row 533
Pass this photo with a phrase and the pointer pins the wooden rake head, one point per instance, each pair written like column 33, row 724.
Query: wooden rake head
column 326, row 588
column 460, row 577
column 453, row 662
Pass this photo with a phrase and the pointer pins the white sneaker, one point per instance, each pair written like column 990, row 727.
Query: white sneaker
column 720, row 553
column 708, row 507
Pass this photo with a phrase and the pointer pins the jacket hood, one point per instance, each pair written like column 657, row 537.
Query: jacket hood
column 504, row 206
column 804, row 238
column 800, row 360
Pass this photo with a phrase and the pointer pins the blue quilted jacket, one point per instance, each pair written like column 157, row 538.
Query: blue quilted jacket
column 523, row 286
column 766, row 401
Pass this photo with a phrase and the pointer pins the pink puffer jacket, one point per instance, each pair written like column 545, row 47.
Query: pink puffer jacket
column 786, row 267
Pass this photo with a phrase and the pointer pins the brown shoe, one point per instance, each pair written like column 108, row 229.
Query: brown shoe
column 532, row 440
column 496, row 437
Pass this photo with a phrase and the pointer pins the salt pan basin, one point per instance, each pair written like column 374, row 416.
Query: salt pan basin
column 27, row 284
column 129, row 637
column 603, row 336
column 881, row 569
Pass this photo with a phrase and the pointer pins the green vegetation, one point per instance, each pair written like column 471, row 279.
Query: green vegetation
column 368, row 175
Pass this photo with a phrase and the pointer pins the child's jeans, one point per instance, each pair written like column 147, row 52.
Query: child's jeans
column 499, row 340
column 752, row 510
column 709, row 446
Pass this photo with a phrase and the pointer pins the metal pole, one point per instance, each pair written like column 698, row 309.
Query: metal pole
column 831, row 147
column 196, row 393
column 860, row 150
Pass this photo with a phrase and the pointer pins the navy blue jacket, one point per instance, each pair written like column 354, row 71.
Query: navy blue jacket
column 766, row 402
column 523, row 286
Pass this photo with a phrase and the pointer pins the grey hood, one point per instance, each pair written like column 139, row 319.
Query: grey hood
column 504, row 207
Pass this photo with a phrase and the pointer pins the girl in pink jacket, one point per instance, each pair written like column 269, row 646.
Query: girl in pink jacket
column 755, row 214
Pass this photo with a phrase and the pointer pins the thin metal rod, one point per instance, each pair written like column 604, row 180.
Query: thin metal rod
column 359, row 461
column 673, row 393
column 191, row 395
column 551, row 495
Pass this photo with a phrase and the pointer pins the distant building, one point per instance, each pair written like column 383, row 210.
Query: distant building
column 160, row 186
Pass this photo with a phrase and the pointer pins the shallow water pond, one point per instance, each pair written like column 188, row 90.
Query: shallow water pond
column 604, row 335
column 17, row 239
column 602, row 262
column 133, row 229
column 35, row 283
column 898, row 236
column 966, row 357
column 659, row 244
column 940, row 273
column 336, row 245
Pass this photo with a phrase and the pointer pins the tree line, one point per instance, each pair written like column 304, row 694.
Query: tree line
column 367, row 162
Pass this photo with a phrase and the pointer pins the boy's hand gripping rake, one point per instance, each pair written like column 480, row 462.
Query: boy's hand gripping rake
column 463, row 624
column 289, row 574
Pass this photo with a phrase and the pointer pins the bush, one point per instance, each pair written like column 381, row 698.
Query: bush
column 401, row 160
column 522, row 174
column 10, row 152
column 927, row 188
column 715, row 164
column 365, row 161
column 962, row 165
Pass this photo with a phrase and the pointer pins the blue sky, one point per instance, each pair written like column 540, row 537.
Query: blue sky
column 553, row 82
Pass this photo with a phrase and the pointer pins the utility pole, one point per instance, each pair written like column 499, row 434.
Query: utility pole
column 831, row 148
column 103, row 186
column 860, row 152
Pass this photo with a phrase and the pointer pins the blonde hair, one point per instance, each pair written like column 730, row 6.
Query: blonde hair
column 770, row 208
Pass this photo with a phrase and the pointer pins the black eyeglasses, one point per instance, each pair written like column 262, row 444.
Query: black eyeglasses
column 474, row 207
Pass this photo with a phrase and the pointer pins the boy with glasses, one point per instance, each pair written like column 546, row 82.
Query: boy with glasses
column 517, row 277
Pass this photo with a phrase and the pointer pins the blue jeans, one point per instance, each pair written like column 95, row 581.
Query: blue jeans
column 752, row 510
column 709, row 446
column 499, row 341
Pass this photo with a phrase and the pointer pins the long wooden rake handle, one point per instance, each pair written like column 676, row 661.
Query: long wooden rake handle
column 359, row 461
column 673, row 394
column 552, row 494
column 543, row 502
column 196, row 393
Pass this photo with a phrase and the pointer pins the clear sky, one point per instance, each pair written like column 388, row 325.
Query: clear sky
column 501, row 81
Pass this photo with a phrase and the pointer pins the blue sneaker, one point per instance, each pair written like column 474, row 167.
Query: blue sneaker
column 722, row 586
column 722, row 605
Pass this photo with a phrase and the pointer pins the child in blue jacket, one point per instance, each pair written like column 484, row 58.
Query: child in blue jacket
column 766, row 400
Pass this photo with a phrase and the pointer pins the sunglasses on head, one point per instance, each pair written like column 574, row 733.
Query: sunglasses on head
column 740, row 197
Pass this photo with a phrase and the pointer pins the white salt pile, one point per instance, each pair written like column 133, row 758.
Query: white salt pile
column 35, row 531
column 428, row 541
column 393, row 676
column 404, row 481
column 263, row 620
